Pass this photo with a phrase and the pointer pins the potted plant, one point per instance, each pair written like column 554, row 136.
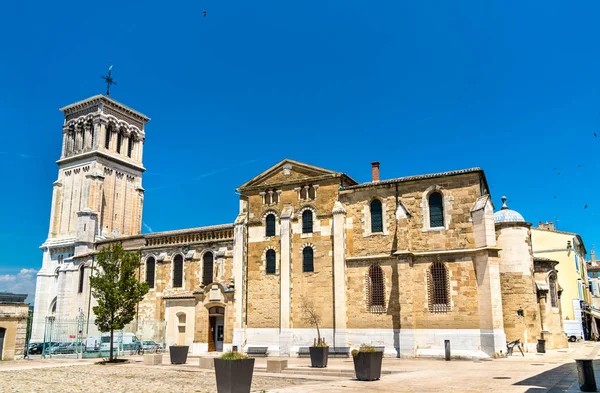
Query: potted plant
column 320, row 350
column 233, row 371
column 367, row 363
column 178, row 353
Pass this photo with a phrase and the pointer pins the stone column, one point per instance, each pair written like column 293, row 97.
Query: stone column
column 56, row 199
column 339, row 275
column 285, row 334
column 306, row 192
column 78, row 138
column 491, row 323
column 87, row 129
column 315, row 187
column 239, row 240
column 65, row 144
column 263, row 196
column 298, row 189
column 270, row 197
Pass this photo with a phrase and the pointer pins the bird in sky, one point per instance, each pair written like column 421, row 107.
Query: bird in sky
column 555, row 197
column 595, row 135
column 585, row 207
column 579, row 166
column 204, row 12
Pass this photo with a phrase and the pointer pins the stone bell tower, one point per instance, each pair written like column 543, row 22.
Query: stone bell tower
column 98, row 195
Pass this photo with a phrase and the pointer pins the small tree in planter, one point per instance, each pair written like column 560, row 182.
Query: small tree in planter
column 320, row 350
column 178, row 353
column 367, row 363
column 233, row 371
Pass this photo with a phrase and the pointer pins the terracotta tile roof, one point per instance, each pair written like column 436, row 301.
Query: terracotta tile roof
column 415, row 177
column 189, row 230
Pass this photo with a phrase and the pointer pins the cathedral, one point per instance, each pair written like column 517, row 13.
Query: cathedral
column 403, row 264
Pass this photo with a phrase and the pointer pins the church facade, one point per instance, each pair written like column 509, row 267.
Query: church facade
column 403, row 264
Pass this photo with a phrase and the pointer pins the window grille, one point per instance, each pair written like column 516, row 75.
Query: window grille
column 436, row 210
column 553, row 292
column 207, row 268
column 119, row 141
column 271, row 262
column 150, row 269
column 81, row 278
column 376, row 289
column 130, row 147
column 270, row 223
column 107, row 138
column 376, row 216
column 307, row 221
column 178, row 271
column 307, row 260
column 438, row 288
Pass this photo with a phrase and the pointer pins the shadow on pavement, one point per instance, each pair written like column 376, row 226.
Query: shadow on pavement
column 558, row 379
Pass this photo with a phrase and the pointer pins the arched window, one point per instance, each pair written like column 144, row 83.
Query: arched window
column 178, row 271
column 271, row 262
column 270, row 225
column 307, row 260
column 91, row 134
column 150, row 269
column 53, row 307
column 130, row 146
column 376, row 289
column 107, row 137
column 307, row 221
column 82, row 128
column 74, row 140
column 553, row 291
column 439, row 299
column 119, row 141
column 81, row 278
column 436, row 210
column 376, row 216
column 207, row 268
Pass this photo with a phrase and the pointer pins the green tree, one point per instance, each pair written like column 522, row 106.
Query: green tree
column 116, row 289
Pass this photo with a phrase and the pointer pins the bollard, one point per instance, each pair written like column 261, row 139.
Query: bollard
column 447, row 348
column 585, row 371
column 541, row 346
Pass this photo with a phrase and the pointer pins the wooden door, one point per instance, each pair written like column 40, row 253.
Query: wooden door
column 2, row 334
column 211, row 333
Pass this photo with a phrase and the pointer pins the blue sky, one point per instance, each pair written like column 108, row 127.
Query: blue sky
column 419, row 86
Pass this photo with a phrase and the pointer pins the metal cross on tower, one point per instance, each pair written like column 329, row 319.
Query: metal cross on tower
column 109, row 81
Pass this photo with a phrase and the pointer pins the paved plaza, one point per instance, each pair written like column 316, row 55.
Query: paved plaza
column 552, row 372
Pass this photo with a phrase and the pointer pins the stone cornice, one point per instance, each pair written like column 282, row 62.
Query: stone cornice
column 102, row 154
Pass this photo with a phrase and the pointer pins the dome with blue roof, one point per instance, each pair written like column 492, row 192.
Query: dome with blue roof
column 507, row 215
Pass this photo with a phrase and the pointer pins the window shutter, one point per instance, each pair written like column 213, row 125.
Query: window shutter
column 178, row 271
column 307, row 260
column 207, row 268
column 270, row 230
column 150, row 268
column 307, row 221
column 271, row 263
column 376, row 216
column 436, row 210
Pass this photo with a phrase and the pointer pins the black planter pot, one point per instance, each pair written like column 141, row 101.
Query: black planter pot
column 234, row 376
column 367, row 365
column 318, row 356
column 178, row 354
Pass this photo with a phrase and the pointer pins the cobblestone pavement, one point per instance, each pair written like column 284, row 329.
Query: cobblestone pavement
column 124, row 378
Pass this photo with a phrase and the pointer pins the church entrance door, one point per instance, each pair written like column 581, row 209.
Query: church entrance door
column 2, row 334
column 216, row 329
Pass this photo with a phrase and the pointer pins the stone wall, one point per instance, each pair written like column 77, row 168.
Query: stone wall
column 13, row 318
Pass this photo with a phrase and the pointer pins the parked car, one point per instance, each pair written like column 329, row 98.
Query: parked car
column 36, row 348
column 67, row 348
column 151, row 346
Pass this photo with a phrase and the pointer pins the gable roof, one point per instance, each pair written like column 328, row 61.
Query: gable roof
column 420, row 177
column 310, row 170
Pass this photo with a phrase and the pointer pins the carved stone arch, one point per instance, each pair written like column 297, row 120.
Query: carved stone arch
column 265, row 213
column 308, row 206
column 308, row 244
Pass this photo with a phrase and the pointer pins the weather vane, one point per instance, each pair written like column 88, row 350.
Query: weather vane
column 109, row 81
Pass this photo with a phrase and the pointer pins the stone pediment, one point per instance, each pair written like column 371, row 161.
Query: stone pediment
column 288, row 171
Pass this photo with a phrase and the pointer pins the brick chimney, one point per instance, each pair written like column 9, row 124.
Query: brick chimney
column 549, row 225
column 593, row 257
column 375, row 171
